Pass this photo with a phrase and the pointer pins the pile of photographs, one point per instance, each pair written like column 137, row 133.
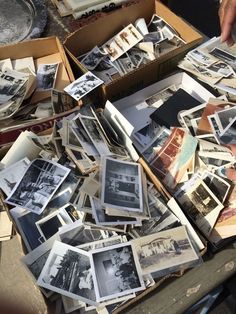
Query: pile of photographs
column 28, row 94
column 97, row 232
column 193, row 152
column 133, row 46
column 214, row 63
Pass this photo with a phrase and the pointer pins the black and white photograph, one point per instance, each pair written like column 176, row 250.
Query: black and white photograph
column 217, row 185
column 222, row 68
column 166, row 251
column 93, row 58
column 160, row 97
column 103, row 219
column 83, row 85
column 223, row 55
column 77, row 234
column 12, row 174
column 68, row 272
column 10, row 83
column 225, row 117
column 201, row 205
column 39, row 183
column 25, row 222
column 95, row 133
column 201, row 57
column 36, row 259
column 102, row 243
column 46, row 76
column 228, row 136
column 61, row 101
column 116, row 272
column 146, row 133
column 49, row 225
column 121, row 185
column 154, row 37
column 125, row 64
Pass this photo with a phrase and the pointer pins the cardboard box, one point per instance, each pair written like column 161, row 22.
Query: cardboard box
column 98, row 32
column 43, row 50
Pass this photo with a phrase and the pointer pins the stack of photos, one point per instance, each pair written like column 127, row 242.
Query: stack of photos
column 77, row 199
column 28, row 94
column 131, row 48
column 96, row 229
column 214, row 63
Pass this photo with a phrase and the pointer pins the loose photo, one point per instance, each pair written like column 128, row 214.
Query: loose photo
column 116, row 272
column 121, row 185
column 67, row 271
column 46, row 76
column 39, row 183
column 83, row 85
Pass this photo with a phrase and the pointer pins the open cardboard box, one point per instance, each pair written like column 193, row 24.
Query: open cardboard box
column 98, row 32
column 43, row 50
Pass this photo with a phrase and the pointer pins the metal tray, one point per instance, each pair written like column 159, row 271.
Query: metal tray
column 21, row 19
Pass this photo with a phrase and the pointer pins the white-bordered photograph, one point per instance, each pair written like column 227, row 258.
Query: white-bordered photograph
column 102, row 243
column 222, row 68
column 96, row 134
column 201, row 205
column 93, row 58
column 228, row 136
column 103, row 219
column 39, row 183
column 223, row 55
column 166, row 251
column 146, row 133
column 10, row 83
column 25, row 222
column 36, row 259
column 68, row 272
column 12, row 174
column 160, row 97
column 122, row 185
column 217, row 185
column 201, row 57
column 154, row 37
column 122, row 42
column 46, row 76
column 83, row 85
column 225, row 117
column 116, row 272
column 76, row 234
column 61, row 101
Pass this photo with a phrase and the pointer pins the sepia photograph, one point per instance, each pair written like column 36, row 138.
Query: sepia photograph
column 83, row 85
column 68, row 272
column 116, row 272
column 46, row 76
column 37, row 186
column 122, row 42
column 121, row 185
column 166, row 251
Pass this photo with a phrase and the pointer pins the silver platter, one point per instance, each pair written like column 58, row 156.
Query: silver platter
column 21, row 19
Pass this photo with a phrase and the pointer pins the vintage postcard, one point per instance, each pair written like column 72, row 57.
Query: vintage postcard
column 37, row 186
column 68, row 272
column 83, row 85
column 165, row 252
column 116, row 272
column 46, row 76
column 122, row 185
